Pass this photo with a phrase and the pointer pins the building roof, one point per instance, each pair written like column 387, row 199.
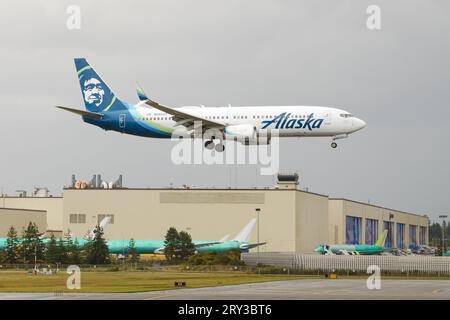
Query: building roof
column 19, row 209
column 376, row 206
column 198, row 189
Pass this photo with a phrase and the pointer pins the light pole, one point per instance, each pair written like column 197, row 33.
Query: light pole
column 443, row 217
column 258, row 210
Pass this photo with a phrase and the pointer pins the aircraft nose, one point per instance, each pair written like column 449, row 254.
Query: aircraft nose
column 359, row 124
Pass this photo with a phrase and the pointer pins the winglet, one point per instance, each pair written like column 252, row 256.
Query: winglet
column 140, row 93
column 382, row 239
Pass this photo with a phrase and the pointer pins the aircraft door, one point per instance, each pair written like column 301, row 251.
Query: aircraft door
column 122, row 120
column 327, row 117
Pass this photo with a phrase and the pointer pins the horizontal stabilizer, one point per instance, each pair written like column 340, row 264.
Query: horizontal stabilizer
column 247, row 246
column 93, row 115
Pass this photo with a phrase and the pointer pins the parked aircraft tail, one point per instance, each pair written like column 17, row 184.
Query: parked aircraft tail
column 382, row 239
column 244, row 234
column 103, row 224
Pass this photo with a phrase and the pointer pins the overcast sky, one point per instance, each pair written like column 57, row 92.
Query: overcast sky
column 253, row 52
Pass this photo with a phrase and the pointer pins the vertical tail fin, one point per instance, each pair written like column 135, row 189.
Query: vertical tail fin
column 103, row 224
column 244, row 234
column 382, row 239
column 97, row 96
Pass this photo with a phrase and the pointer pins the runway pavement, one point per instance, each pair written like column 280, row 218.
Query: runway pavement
column 284, row 290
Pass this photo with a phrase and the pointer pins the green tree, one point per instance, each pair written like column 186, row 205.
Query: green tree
column 74, row 252
column 62, row 251
column 435, row 234
column 186, row 247
column 32, row 246
column 11, row 252
column 172, row 244
column 97, row 249
column 132, row 251
column 73, row 249
column 51, row 252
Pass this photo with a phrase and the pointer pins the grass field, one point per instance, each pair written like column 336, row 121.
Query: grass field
column 126, row 281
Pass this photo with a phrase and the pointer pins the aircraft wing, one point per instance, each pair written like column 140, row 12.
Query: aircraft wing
column 184, row 118
column 206, row 244
column 196, row 246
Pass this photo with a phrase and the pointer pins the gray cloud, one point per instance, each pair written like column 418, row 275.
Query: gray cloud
column 243, row 53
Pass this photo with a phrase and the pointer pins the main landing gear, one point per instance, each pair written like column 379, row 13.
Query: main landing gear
column 334, row 144
column 219, row 147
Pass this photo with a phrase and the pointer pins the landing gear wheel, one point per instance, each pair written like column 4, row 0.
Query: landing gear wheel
column 209, row 144
column 220, row 147
column 333, row 145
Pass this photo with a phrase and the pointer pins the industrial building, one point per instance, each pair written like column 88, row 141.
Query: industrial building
column 19, row 220
column 290, row 220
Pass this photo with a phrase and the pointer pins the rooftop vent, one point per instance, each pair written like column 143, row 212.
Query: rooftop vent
column 287, row 181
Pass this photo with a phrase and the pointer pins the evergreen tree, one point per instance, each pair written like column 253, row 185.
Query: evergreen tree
column 32, row 245
column 435, row 234
column 186, row 247
column 11, row 252
column 62, row 251
column 51, row 252
column 171, row 244
column 132, row 251
column 74, row 252
column 97, row 249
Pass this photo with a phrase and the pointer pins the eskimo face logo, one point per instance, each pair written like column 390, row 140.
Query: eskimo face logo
column 93, row 91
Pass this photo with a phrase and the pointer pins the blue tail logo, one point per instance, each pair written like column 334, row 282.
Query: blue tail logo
column 93, row 92
column 96, row 94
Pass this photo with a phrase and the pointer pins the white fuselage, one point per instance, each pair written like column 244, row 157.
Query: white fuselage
column 290, row 121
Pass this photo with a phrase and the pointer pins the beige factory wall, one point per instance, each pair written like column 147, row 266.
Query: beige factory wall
column 339, row 208
column 312, row 221
column 335, row 211
column 19, row 219
column 53, row 206
column 205, row 214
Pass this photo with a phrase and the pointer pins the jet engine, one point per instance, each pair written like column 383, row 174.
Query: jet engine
column 241, row 131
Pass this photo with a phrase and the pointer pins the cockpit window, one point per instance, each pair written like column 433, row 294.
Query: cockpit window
column 346, row 115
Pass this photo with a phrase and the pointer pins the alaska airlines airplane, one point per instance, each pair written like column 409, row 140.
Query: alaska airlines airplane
column 245, row 124
column 355, row 249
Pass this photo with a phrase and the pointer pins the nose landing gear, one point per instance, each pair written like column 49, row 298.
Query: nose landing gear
column 342, row 136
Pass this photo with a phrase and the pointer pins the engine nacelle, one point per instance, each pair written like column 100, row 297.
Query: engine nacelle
column 241, row 132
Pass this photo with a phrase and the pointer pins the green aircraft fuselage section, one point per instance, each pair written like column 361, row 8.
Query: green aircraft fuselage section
column 152, row 246
column 359, row 248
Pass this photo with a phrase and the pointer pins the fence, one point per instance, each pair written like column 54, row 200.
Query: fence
column 327, row 263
